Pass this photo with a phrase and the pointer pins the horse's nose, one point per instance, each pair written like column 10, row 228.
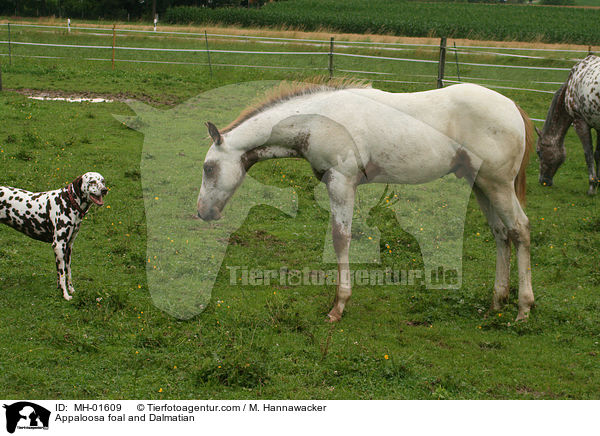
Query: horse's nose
column 545, row 181
column 205, row 216
column 210, row 215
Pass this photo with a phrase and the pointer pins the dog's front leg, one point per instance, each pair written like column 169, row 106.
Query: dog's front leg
column 68, row 267
column 60, row 249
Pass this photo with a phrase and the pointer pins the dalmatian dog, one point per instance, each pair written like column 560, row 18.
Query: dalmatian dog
column 53, row 217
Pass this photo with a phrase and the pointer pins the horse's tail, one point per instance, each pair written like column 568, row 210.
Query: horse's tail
column 521, row 179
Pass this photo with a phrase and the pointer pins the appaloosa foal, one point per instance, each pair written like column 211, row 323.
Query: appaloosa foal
column 353, row 135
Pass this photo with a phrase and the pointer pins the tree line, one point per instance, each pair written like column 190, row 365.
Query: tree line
column 104, row 9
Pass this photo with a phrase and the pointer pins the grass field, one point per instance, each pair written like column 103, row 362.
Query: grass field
column 111, row 341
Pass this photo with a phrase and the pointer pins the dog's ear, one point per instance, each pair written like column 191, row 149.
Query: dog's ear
column 214, row 133
column 77, row 185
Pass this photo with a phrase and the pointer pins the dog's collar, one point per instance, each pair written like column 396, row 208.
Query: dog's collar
column 73, row 202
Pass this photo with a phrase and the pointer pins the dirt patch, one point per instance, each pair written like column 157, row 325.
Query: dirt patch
column 123, row 97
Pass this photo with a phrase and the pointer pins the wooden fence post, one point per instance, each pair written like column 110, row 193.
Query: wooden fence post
column 456, row 59
column 114, row 42
column 442, row 63
column 331, row 58
column 9, row 49
column 208, row 54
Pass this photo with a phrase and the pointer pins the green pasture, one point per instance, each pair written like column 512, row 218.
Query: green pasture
column 112, row 341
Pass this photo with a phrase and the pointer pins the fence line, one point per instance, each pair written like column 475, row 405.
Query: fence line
column 488, row 79
column 343, row 44
column 174, row 50
column 470, row 50
column 252, row 52
column 174, row 62
column 504, row 87
column 272, row 38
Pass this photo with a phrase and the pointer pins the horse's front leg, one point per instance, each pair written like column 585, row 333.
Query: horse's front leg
column 584, row 132
column 341, row 197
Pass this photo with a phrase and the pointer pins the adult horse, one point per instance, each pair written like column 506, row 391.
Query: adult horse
column 352, row 134
column 577, row 102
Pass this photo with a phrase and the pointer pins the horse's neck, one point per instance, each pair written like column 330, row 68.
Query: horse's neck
column 266, row 152
column 254, row 140
column 558, row 119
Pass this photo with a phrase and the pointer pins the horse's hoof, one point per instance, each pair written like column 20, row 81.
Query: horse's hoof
column 522, row 316
column 333, row 316
column 494, row 308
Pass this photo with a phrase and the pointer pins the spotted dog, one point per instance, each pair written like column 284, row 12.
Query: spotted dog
column 53, row 217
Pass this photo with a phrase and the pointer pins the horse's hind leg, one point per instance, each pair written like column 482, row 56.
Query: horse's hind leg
column 502, row 282
column 341, row 197
column 506, row 204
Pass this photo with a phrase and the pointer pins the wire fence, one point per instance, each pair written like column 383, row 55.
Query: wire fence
column 502, row 67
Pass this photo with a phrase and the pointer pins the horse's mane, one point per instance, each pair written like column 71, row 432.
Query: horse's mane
column 287, row 90
column 557, row 107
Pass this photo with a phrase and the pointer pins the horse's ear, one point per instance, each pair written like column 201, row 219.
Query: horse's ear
column 214, row 133
column 539, row 133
